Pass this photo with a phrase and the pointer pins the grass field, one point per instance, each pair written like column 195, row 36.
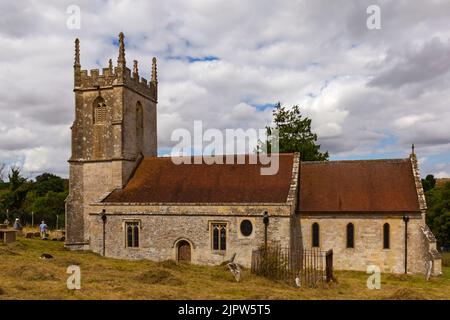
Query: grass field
column 24, row 276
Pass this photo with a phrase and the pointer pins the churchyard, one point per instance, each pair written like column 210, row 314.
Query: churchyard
column 24, row 275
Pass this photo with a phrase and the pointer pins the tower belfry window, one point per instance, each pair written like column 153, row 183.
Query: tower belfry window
column 99, row 111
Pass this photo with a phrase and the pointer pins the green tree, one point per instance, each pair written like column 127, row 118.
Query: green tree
column 428, row 183
column 18, row 188
column 294, row 134
column 45, row 197
column 48, row 207
column 47, row 182
column 438, row 213
column 16, row 180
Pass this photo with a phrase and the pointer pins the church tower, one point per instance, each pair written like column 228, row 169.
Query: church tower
column 114, row 127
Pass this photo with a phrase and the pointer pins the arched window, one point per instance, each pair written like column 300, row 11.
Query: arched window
column 315, row 235
column 139, row 125
column 99, row 111
column 386, row 236
column 132, row 233
column 350, row 235
column 219, row 236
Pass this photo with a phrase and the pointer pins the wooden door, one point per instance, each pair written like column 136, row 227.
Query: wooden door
column 184, row 251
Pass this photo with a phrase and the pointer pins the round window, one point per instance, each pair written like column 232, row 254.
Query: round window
column 246, row 227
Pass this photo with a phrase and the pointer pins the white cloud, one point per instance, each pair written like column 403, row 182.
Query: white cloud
column 442, row 174
column 410, row 120
column 368, row 92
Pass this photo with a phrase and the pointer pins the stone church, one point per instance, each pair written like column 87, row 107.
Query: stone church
column 126, row 202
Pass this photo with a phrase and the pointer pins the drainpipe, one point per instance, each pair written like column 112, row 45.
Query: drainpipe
column 104, row 230
column 406, row 220
column 266, row 224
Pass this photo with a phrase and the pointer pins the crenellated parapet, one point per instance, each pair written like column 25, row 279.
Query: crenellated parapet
column 115, row 76
column 95, row 78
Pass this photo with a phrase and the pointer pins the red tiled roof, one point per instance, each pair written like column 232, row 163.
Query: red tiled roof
column 159, row 180
column 365, row 186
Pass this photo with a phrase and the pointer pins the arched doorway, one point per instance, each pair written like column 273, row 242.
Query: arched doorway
column 184, row 251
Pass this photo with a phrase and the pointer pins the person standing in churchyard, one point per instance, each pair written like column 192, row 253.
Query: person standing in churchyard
column 17, row 225
column 43, row 229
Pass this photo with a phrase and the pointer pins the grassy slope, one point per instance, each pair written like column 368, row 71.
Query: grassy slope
column 24, row 276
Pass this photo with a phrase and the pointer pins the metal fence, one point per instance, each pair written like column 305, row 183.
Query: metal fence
column 310, row 268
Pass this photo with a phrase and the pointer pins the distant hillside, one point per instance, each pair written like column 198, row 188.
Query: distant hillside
column 441, row 181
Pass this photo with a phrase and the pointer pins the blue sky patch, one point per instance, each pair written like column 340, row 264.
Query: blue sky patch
column 191, row 59
column 263, row 106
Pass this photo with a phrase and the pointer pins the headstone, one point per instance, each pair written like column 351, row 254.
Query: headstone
column 7, row 236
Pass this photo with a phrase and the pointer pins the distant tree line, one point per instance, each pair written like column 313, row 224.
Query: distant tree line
column 438, row 212
column 32, row 200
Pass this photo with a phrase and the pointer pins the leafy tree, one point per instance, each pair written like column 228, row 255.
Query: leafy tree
column 438, row 213
column 45, row 197
column 49, row 206
column 18, row 188
column 16, row 180
column 47, row 182
column 294, row 134
column 428, row 183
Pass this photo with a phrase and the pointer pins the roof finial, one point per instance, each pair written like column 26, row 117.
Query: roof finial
column 77, row 53
column 135, row 68
column 121, row 60
column 110, row 66
column 154, row 71
column 412, row 149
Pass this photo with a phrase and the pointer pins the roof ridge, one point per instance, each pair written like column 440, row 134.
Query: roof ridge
column 357, row 160
column 217, row 155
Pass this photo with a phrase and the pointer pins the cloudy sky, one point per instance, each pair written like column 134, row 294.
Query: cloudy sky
column 370, row 93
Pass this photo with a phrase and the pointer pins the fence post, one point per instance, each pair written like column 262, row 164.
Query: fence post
column 329, row 265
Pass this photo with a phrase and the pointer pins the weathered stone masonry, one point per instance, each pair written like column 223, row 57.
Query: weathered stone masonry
column 115, row 173
column 105, row 152
column 163, row 226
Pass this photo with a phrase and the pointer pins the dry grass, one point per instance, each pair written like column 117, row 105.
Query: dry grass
column 24, row 276
column 446, row 259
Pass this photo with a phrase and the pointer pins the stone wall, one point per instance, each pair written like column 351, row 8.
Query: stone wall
column 368, row 248
column 130, row 145
column 104, row 154
column 428, row 251
column 161, row 227
column 74, row 206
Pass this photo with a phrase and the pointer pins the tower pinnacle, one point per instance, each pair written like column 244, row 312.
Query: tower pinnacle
column 154, row 71
column 121, row 60
column 77, row 54
column 135, row 69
